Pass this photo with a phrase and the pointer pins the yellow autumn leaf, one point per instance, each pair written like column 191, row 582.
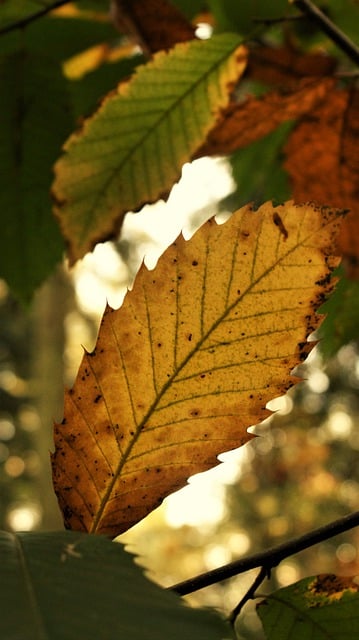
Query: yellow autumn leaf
column 188, row 363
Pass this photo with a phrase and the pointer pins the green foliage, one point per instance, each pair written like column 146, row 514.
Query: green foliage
column 345, row 14
column 243, row 16
column 87, row 91
column 190, row 8
column 37, row 114
column 62, row 38
column 131, row 152
column 258, row 172
column 35, row 120
column 68, row 586
column 342, row 316
column 322, row 607
column 12, row 11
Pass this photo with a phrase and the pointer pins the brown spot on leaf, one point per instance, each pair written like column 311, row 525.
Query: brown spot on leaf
column 329, row 587
column 279, row 223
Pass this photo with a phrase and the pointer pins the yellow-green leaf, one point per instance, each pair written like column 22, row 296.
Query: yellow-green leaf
column 324, row 607
column 132, row 150
column 190, row 360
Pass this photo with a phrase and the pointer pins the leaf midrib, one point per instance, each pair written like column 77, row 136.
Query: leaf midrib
column 147, row 133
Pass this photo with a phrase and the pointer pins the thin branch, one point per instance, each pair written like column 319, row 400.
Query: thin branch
column 329, row 28
column 269, row 558
column 20, row 24
column 262, row 575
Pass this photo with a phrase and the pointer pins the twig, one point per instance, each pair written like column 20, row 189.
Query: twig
column 20, row 24
column 329, row 28
column 269, row 558
column 264, row 573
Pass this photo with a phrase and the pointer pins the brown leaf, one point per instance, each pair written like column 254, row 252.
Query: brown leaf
column 241, row 124
column 322, row 160
column 188, row 363
column 284, row 66
column 155, row 24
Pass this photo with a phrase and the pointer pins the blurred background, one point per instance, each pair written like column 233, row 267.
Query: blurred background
column 300, row 473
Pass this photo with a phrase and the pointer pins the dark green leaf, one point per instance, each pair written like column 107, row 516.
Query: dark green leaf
column 324, row 607
column 258, row 172
column 190, row 8
column 35, row 121
column 71, row 586
column 341, row 324
column 13, row 11
column 242, row 16
column 62, row 38
column 88, row 90
column 343, row 13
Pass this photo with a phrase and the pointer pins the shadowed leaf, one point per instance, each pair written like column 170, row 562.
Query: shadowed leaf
column 342, row 317
column 258, row 172
column 325, row 607
column 188, row 363
column 155, row 24
column 132, row 150
column 35, row 120
column 68, row 586
column 322, row 161
column 12, row 11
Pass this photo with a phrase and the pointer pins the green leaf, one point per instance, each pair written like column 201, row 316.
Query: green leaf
column 342, row 320
column 190, row 8
column 34, row 122
column 57, row 37
column 324, row 607
column 70, row 586
column 242, row 16
column 343, row 13
column 62, row 38
column 87, row 91
column 12, row 11
column 258, row 172
column 131, row 152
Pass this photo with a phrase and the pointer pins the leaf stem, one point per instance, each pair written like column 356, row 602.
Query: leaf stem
column 269, row 558
column 263, row 573
column 329, row 28
column 20, row 24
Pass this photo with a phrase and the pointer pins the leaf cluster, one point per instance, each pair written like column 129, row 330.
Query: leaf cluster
column 93, row 129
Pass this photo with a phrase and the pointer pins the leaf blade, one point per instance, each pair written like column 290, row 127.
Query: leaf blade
column 190, row 360
column 36, row 120
column 324, row 607
column 13, row 12
column 102, row 592
column 131, row 152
